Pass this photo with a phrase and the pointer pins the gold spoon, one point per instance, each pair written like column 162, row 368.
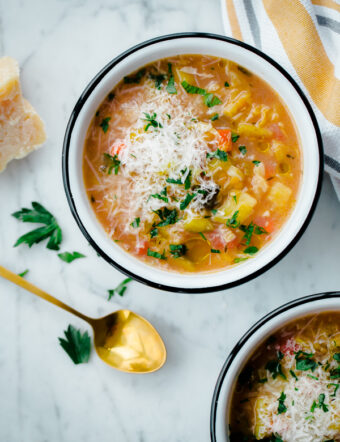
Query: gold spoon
column 123, row 339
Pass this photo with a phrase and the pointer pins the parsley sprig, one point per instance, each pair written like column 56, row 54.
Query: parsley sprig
column 39, row 215
column 69, row 257
column 151, row 121
column 120, row 289
column 76, row 345
column 111, row 163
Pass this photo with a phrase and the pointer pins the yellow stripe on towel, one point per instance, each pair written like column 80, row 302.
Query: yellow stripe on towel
column 305, row 50
column 327, row 4
column 233, row 20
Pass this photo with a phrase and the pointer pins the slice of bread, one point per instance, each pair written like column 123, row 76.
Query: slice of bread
column 21, row 128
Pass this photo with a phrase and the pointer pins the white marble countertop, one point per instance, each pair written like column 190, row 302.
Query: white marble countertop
column 44, row 397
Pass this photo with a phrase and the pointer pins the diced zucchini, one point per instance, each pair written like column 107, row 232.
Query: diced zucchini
column 198, row 225
column 250, row 130
column 237, row 103
column 279, row 194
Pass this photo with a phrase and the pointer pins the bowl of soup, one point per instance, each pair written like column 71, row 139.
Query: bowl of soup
column 281, row 381
column 192, row 154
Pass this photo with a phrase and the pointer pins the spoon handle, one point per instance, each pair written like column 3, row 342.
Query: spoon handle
column 18, row 280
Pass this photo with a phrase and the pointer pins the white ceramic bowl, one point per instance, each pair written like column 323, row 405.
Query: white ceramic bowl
column 193, row 43
column 243, row 349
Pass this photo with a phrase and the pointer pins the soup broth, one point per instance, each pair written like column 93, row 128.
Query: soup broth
column 192, row 163
column 289, row 389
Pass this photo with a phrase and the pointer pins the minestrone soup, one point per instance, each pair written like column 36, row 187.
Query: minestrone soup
column 289, row 389
column 192, row 163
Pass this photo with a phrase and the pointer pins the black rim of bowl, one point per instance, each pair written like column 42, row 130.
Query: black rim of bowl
column 283, row 308
column 85, row 95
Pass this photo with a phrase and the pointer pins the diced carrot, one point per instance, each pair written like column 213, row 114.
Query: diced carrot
column 216, row 239
column 266, row 223
column 142, row 247
column 224, row 141
column 117, row 148
column 234, row 243
column 270, row 168
column 278, row 134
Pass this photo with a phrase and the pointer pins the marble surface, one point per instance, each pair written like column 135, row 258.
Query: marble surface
column 44, row 397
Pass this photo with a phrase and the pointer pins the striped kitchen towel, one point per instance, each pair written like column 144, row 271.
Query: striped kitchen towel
column 304, row 37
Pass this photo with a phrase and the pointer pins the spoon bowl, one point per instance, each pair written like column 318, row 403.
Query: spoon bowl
column 123, row 339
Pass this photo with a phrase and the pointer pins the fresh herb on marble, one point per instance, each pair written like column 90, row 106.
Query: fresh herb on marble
column 69, row 257
column 76, row 345
column 120, row 289
column 24, row 273
column 38, row 214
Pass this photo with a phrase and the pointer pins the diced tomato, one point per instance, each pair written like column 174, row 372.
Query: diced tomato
column 224, row 141
column 289, row 347
column 278, row 134
column 216, row 239
column 117, row 148
column 265, row 222
column 142, row 247
column 234, row 243
column 270, row 168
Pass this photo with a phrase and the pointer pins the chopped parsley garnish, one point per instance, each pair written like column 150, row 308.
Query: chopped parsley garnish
column 232, row 222
column 171, row 88
column 251, row 250
column 215, row 251
column 263, row 380
column 294, row 375
column 24, row 273
column 76, row 345
column 39, row 215
column 249, row 230
column 111, row 162
column 187, row 200
column 153, row 232
column 135, row 223
column 219, row 154
column 275, row 438
column 174, row 181
column 242, row 149
column 282, row 407
column 244, row 71
column 161, row 196
column 158, row 79
column 156, row 254
column 151, row 120
column 111, row 96
column 213, row 211
column 209, row 99
column 120, row 289
column 202, row 235
column 214, row 117
column 105, row 124
column 304, row 361
column 135, row 78
column 234, row 137
column 335, row 373
column 226, row 84
column 237, row 260
column 178, row 250
column 274, row 366
column 337, row 386
column 320, row 404
column 167, row 216
column 336, row 357
column 256, row 162
column 69, row 257
column 187, row 181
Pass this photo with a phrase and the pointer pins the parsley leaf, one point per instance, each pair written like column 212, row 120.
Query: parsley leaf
column 158, row 79
column 215, row 251
column 178, row 250
column 219, row 154
column 156, row 254
column 282, row 407
column 111, row 162
column 105, row 124
column 304, row 361
column 251, row 250
column 320, row 404
column 151, row 120
column 234, row 137
column 171, row 88
column 242, row 149
column 209, row 99
column 189, row 197
column 214, row 117
column 153, row 232
column 161, row 196
column 24, row 273
column 40, row 215
column 232, row 222
column 187, row 181
column 202, row 235
column 120, row 289
column 226, row 84
column 294, row 375
column 167, row 216
column 135, row 223
column 237, row 260
column 336, row 356
column 274, row 366
column 174, row 181
column 76, row 345
column 69, row 257
column 136, row 78
column 256, row 162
